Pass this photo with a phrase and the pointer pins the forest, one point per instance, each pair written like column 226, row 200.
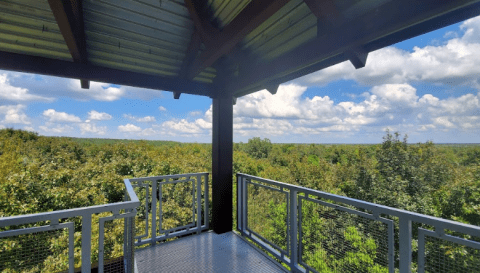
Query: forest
column 40, row 174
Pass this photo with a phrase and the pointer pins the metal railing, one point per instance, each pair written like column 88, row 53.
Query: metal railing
column 314, row 231
column 24, row 239
column 171, row 206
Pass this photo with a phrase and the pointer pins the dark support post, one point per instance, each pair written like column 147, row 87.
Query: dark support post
column 222, row 154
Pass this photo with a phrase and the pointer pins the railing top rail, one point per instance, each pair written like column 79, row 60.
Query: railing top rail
column 150, row 178
column 379, row 209
column 75, row 212
column 130, row 191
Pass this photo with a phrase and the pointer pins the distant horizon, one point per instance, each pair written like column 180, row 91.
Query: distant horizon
column 427, row 87
column 306, row 143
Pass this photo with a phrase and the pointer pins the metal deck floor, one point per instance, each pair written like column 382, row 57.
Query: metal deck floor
column 206, row 252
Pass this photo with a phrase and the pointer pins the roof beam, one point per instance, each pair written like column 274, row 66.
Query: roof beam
column 58, row 68
column 253, row 15
column 192, row 53
column 390, row 23
column 357, row 56
column 69, row 17
column 330, row 18
column 272, row 88
column 204, row 28
column 325, row 10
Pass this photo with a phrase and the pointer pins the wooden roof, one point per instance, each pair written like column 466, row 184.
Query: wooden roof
column 208, row 47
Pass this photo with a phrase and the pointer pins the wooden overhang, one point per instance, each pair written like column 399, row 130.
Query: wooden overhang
column 179, row 46
column 217, row 48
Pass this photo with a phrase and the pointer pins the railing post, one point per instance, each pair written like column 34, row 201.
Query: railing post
column 239, row 203
column 199, row 204
column 154, row 211
column 86, row 242
column 244, row 204
column 293, row 230
column 405, row 241
column 129, row 252
column 206, row 219
column 160, row 206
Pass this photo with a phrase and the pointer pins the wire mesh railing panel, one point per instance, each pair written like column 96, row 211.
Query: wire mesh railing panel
column 114, row 265
column 37, row 249
column 113, row 243
column 142, row 221
column 178, row 206
column 171, row 206
column 267, row 215
column 442, row 253
column 342, row 240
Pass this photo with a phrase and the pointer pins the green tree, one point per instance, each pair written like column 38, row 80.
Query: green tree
column 258, row 148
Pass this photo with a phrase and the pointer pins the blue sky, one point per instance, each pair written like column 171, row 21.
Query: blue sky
column 426, row 87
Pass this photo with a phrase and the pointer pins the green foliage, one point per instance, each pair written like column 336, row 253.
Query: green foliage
column 258, row 148
column 42, row 174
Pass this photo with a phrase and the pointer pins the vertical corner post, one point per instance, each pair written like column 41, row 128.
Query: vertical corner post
column 222, row 155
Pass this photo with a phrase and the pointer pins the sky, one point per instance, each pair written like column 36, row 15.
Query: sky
column 427, row 87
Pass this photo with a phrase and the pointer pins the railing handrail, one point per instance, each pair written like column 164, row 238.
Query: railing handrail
column 149, row 178
column 75, row 212
column 413, row 216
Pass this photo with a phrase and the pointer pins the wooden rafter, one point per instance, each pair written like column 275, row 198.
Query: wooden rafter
column 326, row 11
column 192, row 53
column 204, row 31
column 73, row 70
column 329, row 17
column 331, row 48
column 203, row 27
column 253, row 15
column 69, row 17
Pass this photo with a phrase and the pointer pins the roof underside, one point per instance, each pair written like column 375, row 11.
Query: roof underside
column 208, row 47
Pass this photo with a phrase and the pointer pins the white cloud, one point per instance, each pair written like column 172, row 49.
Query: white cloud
column 92, row 128
column 387, row 106
column 94, row 115
column 129, row 128
column 149, row 132
column 12, row 93
column 97, row 91
column 284, row 104
column 54, row 116
column 58, row 129
column 182, row 126
column 161, row 108
column 140, row 119
column 195, row 113
column 400, row 94
column 453, row 63
column 14, row 114
column 203, row 124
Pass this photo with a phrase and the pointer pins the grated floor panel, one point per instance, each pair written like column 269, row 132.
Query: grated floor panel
column 206, row 252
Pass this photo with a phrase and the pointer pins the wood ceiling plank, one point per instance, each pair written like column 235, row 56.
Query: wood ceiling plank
column 390, row 23
column 253, row 15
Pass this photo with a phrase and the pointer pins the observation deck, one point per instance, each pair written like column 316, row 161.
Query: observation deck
column 280, row 227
